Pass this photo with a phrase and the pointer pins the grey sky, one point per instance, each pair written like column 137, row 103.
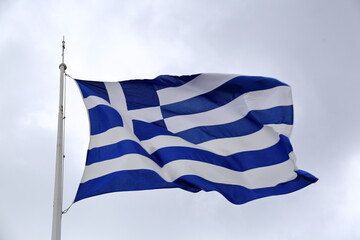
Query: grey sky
column 312, row 45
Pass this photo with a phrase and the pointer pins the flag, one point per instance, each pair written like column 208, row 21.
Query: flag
column 210, row 132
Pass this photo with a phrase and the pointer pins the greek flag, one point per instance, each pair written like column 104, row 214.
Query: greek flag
column 211, row 132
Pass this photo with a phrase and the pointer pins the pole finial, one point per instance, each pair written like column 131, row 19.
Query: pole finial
column 63, row 54
column 63, row 49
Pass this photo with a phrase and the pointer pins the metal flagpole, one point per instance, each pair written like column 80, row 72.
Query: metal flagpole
column 58, row 189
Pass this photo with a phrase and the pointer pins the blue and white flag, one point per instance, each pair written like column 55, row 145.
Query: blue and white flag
column 211, row 132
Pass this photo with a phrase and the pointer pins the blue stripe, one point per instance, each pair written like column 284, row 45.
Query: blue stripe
column 160, row 123
column 145, row 179
column 251, row 123
column 113, row 151
column 140, row 94
column 165, row 81
column 276, row 115
column 131, row 180
column 220, row 96
column 145, row 130
column 239, row 162
column 92, row 88
column 240, row 127
column 242, row 161
column 238, row 194
column 102, row 118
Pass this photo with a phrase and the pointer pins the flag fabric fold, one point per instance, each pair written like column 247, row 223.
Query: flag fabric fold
column 211, row 132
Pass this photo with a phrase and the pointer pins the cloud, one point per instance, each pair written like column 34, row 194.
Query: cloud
column 312, row 46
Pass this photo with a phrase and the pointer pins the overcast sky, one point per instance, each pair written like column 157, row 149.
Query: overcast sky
column 313, row 45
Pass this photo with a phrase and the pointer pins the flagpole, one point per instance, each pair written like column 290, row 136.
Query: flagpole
column 58, row 188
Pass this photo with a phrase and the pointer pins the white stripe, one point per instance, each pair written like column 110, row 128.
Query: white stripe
column 150, row 114
column 265, row 99
column 261, row 139
column 255, row 178
column 199, row 85
column 93, row 101
column 234, row 110
column 111, row 136
column 284, row 129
